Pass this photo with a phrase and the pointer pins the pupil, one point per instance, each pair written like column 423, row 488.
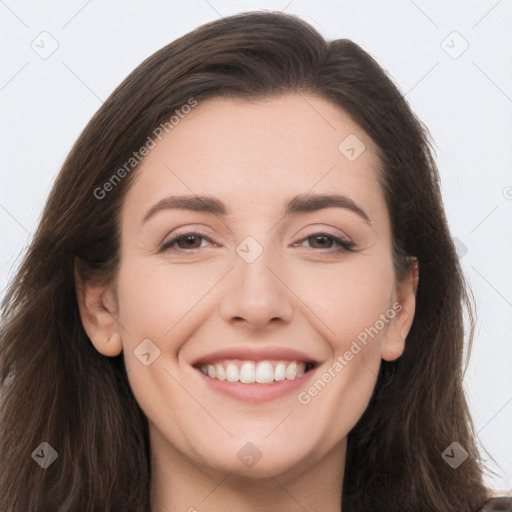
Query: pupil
column 190, row 239
column 322, row 237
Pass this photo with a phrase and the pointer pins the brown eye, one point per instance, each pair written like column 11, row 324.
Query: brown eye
column 328, row 241
column 321, row 241
column 187, row 241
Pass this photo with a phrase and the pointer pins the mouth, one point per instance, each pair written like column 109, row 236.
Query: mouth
column 255, row 374
column 252, row 372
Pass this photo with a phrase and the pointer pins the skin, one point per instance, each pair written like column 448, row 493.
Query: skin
column 297, row 294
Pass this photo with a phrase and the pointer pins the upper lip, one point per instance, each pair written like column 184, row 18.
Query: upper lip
column 255, row 354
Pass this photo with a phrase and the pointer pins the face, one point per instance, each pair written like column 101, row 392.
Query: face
column 254, row 318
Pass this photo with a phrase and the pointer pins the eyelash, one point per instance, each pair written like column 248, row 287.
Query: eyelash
column 344, row 245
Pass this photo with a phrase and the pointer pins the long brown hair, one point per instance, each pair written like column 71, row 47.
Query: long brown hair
column 55, row 386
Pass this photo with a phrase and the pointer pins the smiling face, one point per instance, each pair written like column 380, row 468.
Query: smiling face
column 264, row 279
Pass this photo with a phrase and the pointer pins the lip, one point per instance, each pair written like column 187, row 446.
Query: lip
column 255, row 354
column 256, row 393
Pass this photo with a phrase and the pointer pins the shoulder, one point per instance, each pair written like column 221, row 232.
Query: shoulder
column 497, row 505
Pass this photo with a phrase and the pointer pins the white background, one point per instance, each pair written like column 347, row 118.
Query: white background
column 466, row 102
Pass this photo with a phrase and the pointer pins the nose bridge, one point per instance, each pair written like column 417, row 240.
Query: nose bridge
column 257, row 295
column 254, row 264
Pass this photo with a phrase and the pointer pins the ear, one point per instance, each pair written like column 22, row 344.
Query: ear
column 405, row 307
column 97, row 306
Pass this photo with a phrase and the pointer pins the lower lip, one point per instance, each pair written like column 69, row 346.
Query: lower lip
column 256, row 392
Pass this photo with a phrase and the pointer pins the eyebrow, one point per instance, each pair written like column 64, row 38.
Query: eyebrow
column 298, row 204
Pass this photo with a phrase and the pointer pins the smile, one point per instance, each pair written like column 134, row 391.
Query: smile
column 251, row 372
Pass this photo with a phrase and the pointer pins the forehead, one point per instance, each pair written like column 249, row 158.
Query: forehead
column 253, row 153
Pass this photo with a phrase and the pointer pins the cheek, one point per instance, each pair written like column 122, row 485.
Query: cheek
column 163, row 303
column 158, row 301
column 346, row 304
column 348, row 300
column 154, row 297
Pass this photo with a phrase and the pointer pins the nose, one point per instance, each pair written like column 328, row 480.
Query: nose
column 258, row 294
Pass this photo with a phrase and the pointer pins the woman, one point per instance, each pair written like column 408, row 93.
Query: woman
column 306, row 354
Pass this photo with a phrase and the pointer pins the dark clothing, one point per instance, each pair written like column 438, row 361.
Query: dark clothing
column 498, row 505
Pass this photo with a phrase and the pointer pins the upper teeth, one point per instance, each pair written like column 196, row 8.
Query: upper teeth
column 250, row 372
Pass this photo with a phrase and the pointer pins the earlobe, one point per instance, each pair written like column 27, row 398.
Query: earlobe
column 96, row 304
column 112, row 346
column 393, row 349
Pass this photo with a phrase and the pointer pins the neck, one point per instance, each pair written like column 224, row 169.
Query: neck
column 179, row 484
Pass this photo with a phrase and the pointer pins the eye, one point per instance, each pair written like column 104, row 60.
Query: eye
column 186, row 241
column 327, row 241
